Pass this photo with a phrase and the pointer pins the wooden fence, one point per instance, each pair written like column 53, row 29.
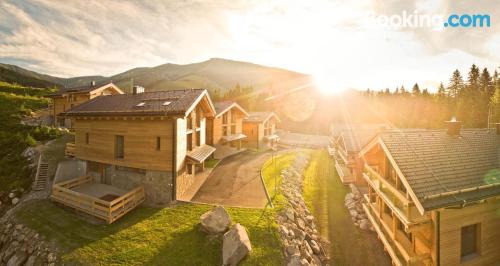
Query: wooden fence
column 109, row 211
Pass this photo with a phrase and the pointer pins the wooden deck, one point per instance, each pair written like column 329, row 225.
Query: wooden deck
column 102, row 201
column 70, row 150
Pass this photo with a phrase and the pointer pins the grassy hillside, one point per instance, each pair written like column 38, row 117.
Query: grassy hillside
column 16, row 101
column 14, row 74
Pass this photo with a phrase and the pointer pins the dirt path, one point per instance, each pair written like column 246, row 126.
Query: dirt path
column 235, row 182
column 349, row 244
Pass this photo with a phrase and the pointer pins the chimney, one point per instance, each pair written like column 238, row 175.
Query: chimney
column 92, row 83
column 498, row 128
column 454, row 127
column 137, row 90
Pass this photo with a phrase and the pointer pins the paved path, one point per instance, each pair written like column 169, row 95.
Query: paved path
column 236, row 182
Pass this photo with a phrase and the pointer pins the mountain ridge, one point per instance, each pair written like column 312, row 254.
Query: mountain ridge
column 215, row 73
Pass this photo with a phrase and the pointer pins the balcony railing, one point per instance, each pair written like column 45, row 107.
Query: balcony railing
column 399, row 254
column 404, row 208
column 109, row 211
column 70, row 149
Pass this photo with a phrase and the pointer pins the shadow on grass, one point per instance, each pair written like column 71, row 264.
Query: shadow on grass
column 71, row 230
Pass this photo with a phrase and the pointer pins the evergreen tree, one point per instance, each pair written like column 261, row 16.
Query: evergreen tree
column 486, row 83
column 441, row 93
column 426, row 93
column 456, row 84
column 403, row 90
column 415, row 90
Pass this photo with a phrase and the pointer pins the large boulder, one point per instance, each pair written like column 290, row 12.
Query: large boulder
column 215, row 221
column 236, row 245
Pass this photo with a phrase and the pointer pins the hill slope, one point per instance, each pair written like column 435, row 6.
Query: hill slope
column 211, row 74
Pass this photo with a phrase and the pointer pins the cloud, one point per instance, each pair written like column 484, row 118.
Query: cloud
column 333, row 39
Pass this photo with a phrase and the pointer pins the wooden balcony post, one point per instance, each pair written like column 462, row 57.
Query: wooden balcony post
column 394, row 225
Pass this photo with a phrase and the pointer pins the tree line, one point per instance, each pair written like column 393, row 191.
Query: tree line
column 474, row 100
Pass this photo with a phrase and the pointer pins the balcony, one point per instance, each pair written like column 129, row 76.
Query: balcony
column 99, row 200
column 403, row 207
column 394, row 240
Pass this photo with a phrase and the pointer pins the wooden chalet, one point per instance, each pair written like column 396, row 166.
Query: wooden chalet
column 154, row 139
column 260, row 129
column 67, row 98
column 225, row 129
column 434, row 195
column 345, row 144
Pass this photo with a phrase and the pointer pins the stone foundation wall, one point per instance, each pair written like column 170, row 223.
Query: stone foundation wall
column 158, row 185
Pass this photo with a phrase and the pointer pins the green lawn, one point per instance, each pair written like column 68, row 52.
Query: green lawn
column 150, row 236
column 324, row 195
column 211, row 163
column 271, row 170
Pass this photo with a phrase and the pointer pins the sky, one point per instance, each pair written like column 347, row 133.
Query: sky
column 338, row 42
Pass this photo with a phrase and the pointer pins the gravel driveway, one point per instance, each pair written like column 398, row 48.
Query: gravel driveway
column 235, row 182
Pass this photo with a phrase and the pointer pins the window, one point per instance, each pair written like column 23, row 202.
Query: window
column 189, row 142
column 189, row 168
column 158, row 143
column 119, row 147
column 469, row 241
column 199, row 116
column 198, row 138
column 233, row 129
column 224, row 118
column 87, row 140
column 387, row 209
column 189, row 122
column 233, row 117
column 141, row 104
column 224, row 131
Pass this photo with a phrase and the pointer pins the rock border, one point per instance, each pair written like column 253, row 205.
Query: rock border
column 302, row 244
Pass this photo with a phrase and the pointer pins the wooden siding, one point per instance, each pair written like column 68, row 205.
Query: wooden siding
column 215, row 127
column 254, row 133
column 140, row 142
column 452, row 220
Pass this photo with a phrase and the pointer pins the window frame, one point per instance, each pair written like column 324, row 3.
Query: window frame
column 119, row 151
column 477, row 245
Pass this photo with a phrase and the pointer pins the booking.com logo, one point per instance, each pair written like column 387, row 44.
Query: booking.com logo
column 416, row 20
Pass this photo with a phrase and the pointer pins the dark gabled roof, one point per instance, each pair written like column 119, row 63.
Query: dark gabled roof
column 434, row 163
column 337, row 128
column 356, row 138
column 260, row 117
column 224, row 106
column 81, row 89
column 174, row 102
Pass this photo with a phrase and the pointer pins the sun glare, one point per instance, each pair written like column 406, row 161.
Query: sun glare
column 327, row 84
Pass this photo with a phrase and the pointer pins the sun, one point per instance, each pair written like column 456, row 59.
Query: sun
column 327, row 83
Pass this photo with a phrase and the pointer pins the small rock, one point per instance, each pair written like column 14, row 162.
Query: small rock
column 292, row 250
column 15, row 201
column 301, row 224
column 235, row 246
column 34, row 260
column 51, row 257
column 314, row 246
column 364, row 224
column 289, row 214
column 216, row 220
column 11, row 195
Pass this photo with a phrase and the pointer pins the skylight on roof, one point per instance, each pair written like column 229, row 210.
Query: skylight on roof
column 140, row 104
column 166, row 103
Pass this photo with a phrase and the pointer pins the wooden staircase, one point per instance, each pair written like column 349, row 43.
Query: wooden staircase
column 42, row 175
